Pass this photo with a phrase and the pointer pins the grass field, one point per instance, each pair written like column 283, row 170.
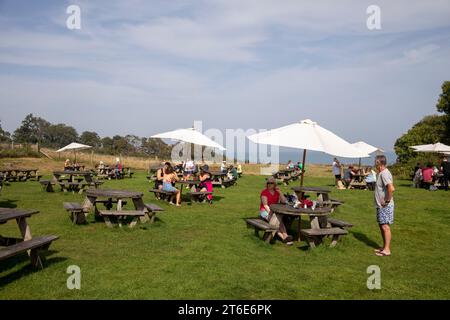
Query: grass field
column 206, row 252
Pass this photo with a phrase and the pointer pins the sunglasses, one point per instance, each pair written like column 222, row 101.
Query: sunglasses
column 270, row 183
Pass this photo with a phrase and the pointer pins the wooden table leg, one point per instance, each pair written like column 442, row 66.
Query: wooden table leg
column 24, row 229
column 299, row 228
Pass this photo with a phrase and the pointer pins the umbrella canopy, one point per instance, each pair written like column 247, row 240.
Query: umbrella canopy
column 308, row 135
column 74, row 146
column 437, row 147
column 190, row 136
column 367, row 148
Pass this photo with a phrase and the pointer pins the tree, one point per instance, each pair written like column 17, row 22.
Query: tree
column 107, row 145
column 32, row 130
column 443, row 105
column 59, row 135
column 156, row 147
column 91, row 138
column 430, row 129
column 5, row 136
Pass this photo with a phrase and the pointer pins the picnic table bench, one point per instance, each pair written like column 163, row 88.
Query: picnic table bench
column 15, row 246
column 261, row 225
column 199, row 196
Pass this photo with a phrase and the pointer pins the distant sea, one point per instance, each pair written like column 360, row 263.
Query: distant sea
column 315, row 157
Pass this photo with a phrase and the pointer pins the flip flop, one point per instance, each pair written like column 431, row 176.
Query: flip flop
column 382, row 254
column 378, row 250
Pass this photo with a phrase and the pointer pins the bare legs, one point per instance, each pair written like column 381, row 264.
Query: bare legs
column 386, row 235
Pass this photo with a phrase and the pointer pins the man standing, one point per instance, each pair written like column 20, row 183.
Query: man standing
column 384, row 202
column 446, row 172
column 337, row 172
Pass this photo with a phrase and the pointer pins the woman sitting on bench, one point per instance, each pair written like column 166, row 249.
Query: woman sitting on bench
column 205, row 181
column 170, row 177
column 272, row 195
column 159, row 178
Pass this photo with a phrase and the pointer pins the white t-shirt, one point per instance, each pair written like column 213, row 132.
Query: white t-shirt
column 189, row 166
column 336, row 168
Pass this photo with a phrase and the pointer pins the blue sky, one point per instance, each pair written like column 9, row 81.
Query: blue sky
column 143, row 67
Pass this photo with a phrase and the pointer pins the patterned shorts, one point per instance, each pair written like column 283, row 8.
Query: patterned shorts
column 385, row 215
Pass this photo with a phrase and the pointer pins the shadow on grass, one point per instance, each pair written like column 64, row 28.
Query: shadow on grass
column 26, row 269
column 6, row 203
column 363, row 238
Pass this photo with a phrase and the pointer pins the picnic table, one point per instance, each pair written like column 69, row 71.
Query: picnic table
column 15, row 246
column 109, row 172
column 70, row 180
column 358, row 181
column 78, row 167
column 109, row 196
column 20, row 174
column 217, row 178
column 318, row 219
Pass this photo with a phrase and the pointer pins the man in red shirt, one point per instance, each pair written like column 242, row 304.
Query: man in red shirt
column 272, row 195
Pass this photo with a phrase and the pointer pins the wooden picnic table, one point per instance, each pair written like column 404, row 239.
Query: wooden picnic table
column 15, row 246
column 217, row 178
column 321, row 192
column 116, row 196
column 191, row 183
column 20, row 174
column 358, row 181
column 20, row 216
column 323, row 196
column 294, row 213
column 72, row 180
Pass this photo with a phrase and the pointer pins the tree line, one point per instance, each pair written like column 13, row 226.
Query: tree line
column 36, row 130
column 431, row 129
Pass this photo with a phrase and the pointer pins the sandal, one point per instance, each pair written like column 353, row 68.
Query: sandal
column 382, row 254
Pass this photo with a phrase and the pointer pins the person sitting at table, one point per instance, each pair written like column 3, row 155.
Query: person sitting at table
column 239, row 169
column 101, row 167
column 427, row 176
column 348, row 175
column 206, row 182
column 169, row 178
column 290, row 165
column 417, row 179
column 272, row 195
column 160, row 177
column 118, row 169
column 370, row 178
column 188, row 170
column 223, row 167
column 67, row 165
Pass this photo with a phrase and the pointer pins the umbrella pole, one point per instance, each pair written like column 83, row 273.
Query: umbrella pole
column 303, row 168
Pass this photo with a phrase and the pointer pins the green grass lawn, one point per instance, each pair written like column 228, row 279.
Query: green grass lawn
column 206, row 252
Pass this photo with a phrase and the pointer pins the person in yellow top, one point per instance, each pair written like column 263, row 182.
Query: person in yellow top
column 239, row 169
column 67, row 165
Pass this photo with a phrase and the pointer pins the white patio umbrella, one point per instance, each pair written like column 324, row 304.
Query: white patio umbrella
column 367, row 148
column 190, row 136
column 308, row 135
column 74, row 146
column 436, row 148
